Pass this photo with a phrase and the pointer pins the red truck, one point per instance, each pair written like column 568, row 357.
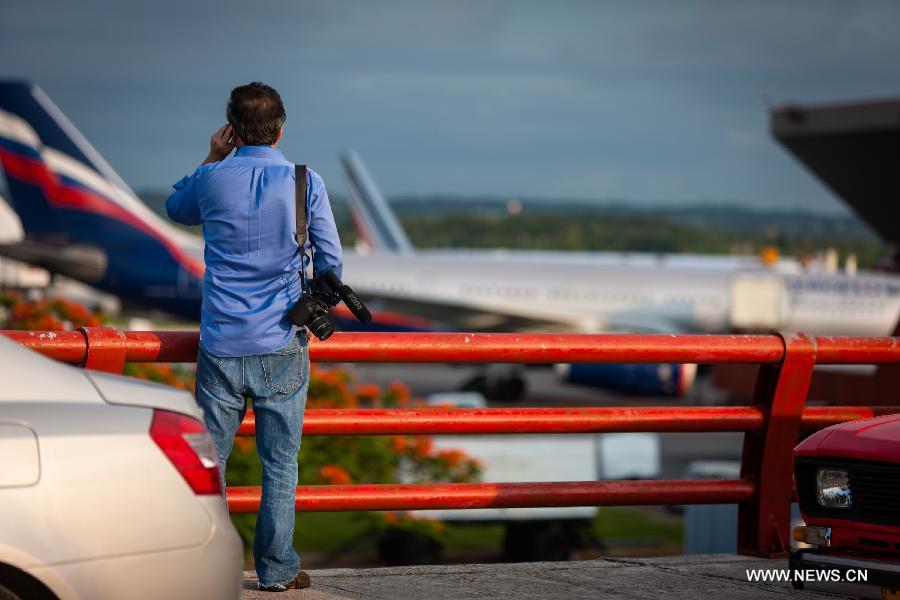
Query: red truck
column 848, row 487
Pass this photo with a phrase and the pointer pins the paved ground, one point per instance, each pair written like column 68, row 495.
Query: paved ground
column 667, row 578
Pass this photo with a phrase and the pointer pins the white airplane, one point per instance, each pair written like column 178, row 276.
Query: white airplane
column 605, row 292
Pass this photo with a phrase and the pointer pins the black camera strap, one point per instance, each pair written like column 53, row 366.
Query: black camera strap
column 301, row 200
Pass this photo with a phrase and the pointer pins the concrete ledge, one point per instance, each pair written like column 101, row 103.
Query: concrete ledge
column 667, row 578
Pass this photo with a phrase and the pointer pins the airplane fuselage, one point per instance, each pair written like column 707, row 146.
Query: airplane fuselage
column 640, row 293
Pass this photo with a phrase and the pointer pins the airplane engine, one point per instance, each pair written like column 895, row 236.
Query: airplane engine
column 632, row 380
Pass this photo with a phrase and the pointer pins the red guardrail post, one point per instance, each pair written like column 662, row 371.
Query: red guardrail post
column 764, row 523
column 106, row 349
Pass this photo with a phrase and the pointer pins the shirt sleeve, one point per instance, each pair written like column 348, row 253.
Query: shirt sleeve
column 323, row 233
column 183, row 206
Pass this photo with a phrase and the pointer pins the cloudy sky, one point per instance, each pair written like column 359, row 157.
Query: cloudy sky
column 644, row 101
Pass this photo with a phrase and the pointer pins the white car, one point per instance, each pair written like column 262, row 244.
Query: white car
column 109, row 488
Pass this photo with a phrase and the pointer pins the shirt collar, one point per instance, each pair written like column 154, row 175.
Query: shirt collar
column 259, row 152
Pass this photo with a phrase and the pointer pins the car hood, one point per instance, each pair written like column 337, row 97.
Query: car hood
column 875, row 439
column 129, row 391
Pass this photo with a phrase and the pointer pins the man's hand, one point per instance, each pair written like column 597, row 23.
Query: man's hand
column 220, row 144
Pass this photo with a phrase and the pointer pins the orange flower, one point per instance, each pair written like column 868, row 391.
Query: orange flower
column 44, row 314
column 400, row 391
column 349, row 400
column 424, row 446
column 334, row 475
column 390, row 518
column 49, row 323
column 399, row 443
column 368, row 391
column 452, row 458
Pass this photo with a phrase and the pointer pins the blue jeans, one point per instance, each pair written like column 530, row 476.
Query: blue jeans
column 276, row 383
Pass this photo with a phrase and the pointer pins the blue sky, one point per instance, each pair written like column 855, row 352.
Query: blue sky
column 653, row 102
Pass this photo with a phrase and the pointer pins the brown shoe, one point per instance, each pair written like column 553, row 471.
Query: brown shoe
column 299, row 582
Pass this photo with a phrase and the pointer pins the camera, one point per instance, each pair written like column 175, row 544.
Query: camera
column 312, row 310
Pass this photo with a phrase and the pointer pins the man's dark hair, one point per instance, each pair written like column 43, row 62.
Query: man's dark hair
column 256, row 113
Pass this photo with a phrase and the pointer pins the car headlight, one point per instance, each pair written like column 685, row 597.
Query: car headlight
column 833, row 488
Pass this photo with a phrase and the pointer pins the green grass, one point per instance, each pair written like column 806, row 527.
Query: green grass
column 472, row 537
column 621, row 523
column 326, row 532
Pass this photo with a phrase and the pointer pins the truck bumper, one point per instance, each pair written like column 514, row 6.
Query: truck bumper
column 845, row 570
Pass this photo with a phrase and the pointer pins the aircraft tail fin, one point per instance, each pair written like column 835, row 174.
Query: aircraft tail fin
column 372, row 216
column 53, row 172
column 67, row 196
column 22, row 155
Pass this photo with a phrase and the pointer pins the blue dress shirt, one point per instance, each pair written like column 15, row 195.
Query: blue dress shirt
column 246, row 206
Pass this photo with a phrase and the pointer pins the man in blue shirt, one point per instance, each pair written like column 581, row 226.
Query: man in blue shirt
column 248, row 349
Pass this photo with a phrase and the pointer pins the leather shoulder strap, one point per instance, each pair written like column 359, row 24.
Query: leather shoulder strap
column 300, row 201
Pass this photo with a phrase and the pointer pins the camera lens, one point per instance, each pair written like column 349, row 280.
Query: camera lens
column 320, row 327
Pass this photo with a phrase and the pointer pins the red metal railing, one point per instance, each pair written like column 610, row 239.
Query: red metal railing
column 771, row 425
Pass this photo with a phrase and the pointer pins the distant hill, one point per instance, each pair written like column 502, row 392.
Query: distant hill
column 723, row 218
column 705, row 216
column 439, row 221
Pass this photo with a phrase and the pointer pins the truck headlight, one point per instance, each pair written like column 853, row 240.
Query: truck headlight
column 833, row 488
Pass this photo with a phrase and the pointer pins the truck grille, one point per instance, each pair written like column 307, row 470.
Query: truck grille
column 874, row 492
column 874, row 489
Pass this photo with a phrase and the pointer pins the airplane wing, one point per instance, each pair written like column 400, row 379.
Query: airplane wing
column 460, row 317
column 80, row 262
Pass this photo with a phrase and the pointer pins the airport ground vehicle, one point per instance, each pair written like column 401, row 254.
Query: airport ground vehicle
column 551, row 533
column 536, row 533
column 109, row 488
column 848, row 487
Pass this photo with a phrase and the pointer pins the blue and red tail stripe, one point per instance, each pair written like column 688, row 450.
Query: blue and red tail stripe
column 25, row 165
